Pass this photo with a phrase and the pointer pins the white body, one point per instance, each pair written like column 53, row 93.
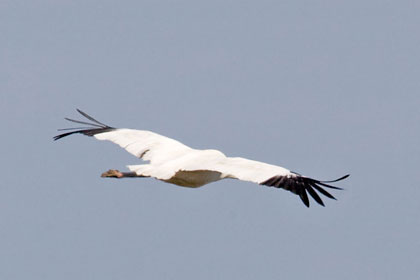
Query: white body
column 174, row 162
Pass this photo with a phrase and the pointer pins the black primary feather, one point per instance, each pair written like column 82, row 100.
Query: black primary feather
column 300, row 185
column 90, row 118
column 96, row 127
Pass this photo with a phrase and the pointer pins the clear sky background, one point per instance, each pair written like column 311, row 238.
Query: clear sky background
column 323, row 88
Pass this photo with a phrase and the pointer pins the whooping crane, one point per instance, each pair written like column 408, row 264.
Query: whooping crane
column 176, row 163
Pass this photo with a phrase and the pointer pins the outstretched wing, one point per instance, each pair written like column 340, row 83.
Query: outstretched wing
column 141, row 143
column 275, row 176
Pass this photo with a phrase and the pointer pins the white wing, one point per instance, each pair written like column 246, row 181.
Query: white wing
column 261, row 173
column 143, row 144
column 250, row 170
column 235, row 167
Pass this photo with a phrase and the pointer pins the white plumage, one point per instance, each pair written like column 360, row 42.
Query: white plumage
column 173, row 162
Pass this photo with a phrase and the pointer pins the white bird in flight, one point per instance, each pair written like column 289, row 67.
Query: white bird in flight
column 173, row 162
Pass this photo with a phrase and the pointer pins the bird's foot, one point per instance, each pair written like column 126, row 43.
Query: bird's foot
column 112, row 173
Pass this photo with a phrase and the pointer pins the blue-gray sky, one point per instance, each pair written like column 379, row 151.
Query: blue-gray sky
column 323, row 88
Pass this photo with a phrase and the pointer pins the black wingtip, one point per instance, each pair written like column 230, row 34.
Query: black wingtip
column 313, row 193
column 96, row 127
column 336, row 180
column 301, row 185
column 304, row 197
